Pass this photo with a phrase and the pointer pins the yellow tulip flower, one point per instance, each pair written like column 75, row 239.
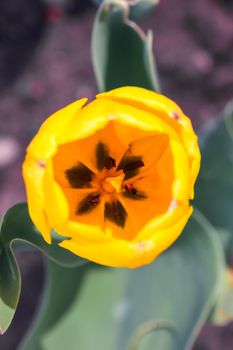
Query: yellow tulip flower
column 114, row 177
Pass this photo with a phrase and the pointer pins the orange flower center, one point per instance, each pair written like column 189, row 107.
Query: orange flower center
column 114, row 184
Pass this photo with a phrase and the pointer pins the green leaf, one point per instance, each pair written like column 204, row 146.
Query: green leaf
column 17, row 225
column 121, row 51
column 159, row 306
column 138, row 8
column 10, row 285
column 141, row 8
column 214, row 188
column 223, row 311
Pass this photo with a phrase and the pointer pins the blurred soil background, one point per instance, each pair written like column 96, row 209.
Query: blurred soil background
column 45, row 63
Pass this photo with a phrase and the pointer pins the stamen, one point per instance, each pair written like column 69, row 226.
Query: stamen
column 103, row 158
column 95, row 200
column 130, row 188
column 116, row 213
column 133, row 166
column 88, row 204
column 101, row 155
column 132, row 193
column 110, row 163
column 130, row 165
column 79, row 176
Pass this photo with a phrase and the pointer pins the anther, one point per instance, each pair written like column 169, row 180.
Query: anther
column 79, row 176
column 110, row 163
column 88, row 203
column 94, row 200
column 130, row 188
column 116, row 213
column 85, row 176
column 133, row 165
column 132, row 193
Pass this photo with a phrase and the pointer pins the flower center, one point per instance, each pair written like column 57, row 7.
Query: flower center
column 109, row 183
column 113, row 183
column 116, row 183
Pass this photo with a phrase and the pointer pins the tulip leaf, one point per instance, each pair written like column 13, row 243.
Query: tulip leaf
column 10, row 285
column 121, row 51
column 141, row 8
column 17, row 225
column 158, row 306
column 223, row 311
column 138, row 8
column 214, row 188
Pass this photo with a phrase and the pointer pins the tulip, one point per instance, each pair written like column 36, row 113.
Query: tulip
column 113, row 178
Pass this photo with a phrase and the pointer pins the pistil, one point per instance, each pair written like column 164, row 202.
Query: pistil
column 115, row 182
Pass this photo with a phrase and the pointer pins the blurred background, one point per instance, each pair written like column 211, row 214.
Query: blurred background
column 45, row 63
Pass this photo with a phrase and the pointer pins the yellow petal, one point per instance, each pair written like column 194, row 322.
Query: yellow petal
column 33, row 173
column 55, row 202
column 44, row 144
column 120, row 253
column 168, row 111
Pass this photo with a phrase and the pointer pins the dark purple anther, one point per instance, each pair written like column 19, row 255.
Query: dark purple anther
column 79, row 176
column 85, row 176
column 133, row 166
column 116, row 213
column 94, row 200
column 110, row 163
column 131, row 189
